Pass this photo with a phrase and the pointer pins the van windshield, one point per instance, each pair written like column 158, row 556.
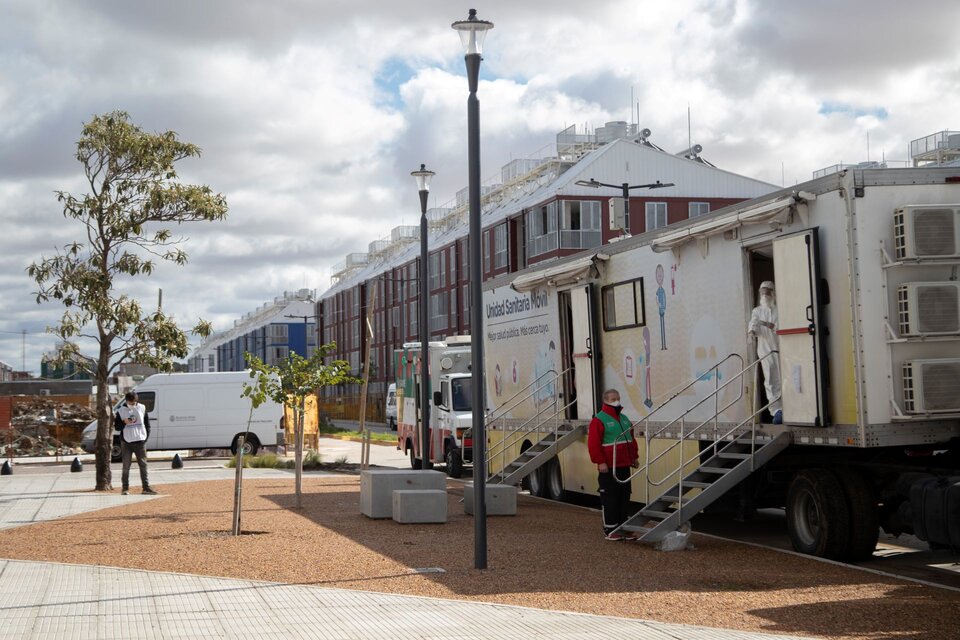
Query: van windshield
column 462, row 394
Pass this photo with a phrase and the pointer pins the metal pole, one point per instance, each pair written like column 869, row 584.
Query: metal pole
column 424, row 339
column 626, row 208
column 476, row 318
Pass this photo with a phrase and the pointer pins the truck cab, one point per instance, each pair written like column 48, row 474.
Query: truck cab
column 453, row 413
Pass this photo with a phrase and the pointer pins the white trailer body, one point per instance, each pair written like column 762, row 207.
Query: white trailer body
column 866, row 271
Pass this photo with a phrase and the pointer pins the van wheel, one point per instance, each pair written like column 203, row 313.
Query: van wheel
column 116, row 453
column 415, row 462
column 454, row 462
column 553, row 480
column 818, row 519
column 250, row 446
column 392, row 423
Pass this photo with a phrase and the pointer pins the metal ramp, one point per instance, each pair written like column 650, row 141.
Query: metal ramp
column 547, row 428
column 703, row 477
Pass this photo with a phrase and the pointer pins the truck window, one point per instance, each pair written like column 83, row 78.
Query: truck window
column 444, row 392
column 462, row 394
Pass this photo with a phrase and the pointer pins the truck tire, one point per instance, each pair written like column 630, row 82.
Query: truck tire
column 818, row 519
column 553, row 480
column 116, row 453
column 415, row 462
column 536, row 483
column 864, row 514
column 250, row 446
column 454, row 462
column 392, row 423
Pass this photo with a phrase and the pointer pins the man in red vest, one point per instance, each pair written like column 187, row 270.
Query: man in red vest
column 614, row 450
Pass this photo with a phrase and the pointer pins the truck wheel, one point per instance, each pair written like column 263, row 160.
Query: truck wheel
column 116, row 453
column 392, row 423
column 250, row 446
column 454, row 462
column 553, row 480
column 536, row 483
column 864, row 519
column 818, row 519
column 415, row 462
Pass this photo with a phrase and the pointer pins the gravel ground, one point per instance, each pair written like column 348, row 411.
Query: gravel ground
column 550, row 556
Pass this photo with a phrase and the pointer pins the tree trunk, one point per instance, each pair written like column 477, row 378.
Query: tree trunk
column 299, row 455
column 104, row 440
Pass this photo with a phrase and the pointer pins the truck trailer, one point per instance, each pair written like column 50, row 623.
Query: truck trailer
column 449, row 408
column 865, row 265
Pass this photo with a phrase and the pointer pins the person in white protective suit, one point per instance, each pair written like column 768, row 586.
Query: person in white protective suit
column 763, row 327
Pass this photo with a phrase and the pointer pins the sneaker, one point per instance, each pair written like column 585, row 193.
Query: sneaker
column 125, row 492
column 149, row 492
column 615, row 536
column 778, row 417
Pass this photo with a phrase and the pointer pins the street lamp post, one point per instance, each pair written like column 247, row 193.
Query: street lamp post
column 423, row 177
column 472, row 34
column 625, row 187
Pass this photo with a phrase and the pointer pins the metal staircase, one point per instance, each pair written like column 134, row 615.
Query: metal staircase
column 702, row 477
column 547, row 428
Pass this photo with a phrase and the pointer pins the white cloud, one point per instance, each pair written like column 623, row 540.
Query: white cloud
column 311, row 115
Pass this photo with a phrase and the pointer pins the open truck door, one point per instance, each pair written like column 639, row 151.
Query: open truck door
column 801, row 329
column 582, row 350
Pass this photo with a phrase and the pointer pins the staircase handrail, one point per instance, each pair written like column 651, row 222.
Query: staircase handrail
column 536, row 420
column 683, row 435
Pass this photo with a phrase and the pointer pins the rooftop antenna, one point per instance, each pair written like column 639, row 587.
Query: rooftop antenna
column 689, row 137
column 868, row 146
column 631, row 104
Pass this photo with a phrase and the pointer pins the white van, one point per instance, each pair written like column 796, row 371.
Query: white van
column 391, row 409
column 200, row 411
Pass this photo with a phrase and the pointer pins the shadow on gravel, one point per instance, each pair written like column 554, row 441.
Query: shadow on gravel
column 859, row 617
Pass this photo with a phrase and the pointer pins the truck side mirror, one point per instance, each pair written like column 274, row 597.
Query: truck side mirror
column 437, row 398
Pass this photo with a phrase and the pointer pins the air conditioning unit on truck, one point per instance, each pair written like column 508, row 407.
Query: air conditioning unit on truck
column 866, row 265
column 449, row 409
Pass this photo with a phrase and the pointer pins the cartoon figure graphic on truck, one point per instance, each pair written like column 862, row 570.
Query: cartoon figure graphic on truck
column 661, row 307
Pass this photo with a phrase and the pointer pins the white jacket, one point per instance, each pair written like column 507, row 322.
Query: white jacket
column 135, row 430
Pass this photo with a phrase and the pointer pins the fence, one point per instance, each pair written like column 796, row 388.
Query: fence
column 348, row 408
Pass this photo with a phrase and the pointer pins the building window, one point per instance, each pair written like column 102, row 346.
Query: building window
column 541, row 229
column 412, row 311
column 276, row 355
column 356, row 301
column 623, row 305
column 580, row 224
column 697, row 209
column 656, row 215
column 355, row 338
column 486, row 250
column 500, row 246
column 439, row 310
column 278, row 333
column 465, row 292
column 435, row 271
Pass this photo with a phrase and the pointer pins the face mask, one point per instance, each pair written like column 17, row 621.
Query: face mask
column 615, row 405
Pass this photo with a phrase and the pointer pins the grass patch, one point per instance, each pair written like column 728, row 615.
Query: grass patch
column 312, row 460
column 350, row 434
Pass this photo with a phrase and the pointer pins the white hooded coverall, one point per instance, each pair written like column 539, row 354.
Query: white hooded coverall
column 767, row 342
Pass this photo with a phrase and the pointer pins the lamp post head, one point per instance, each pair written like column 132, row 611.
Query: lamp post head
column 588, row 183
column 423, row 177
column 472, row 33
column 660, row 185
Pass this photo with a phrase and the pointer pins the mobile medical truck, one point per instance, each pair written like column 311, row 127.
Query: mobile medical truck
column 865, row 265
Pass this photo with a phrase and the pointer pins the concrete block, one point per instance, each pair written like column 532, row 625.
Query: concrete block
column 501, row 499
column 377, row 487
column 420, row 506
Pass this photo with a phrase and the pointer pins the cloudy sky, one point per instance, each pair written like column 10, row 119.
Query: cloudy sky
column 312, row 113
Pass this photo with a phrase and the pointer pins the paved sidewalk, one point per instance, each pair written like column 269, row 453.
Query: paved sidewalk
column 47, row 600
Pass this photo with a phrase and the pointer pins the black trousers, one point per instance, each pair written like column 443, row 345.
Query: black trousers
column 127, row 449
column 614, row 497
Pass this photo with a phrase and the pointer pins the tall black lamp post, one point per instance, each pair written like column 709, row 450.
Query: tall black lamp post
column 423, row 177
column 625, row 187
column 472, row 34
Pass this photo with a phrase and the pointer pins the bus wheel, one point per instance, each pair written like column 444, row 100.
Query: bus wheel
column 116, row 453
column 553, row 480
column 250, row 446
column 454, row 462
column 536, row 483
column 415, row 462
column 864, row 514
column 818, row 519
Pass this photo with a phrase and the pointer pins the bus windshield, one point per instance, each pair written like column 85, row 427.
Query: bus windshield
column 462, row 394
